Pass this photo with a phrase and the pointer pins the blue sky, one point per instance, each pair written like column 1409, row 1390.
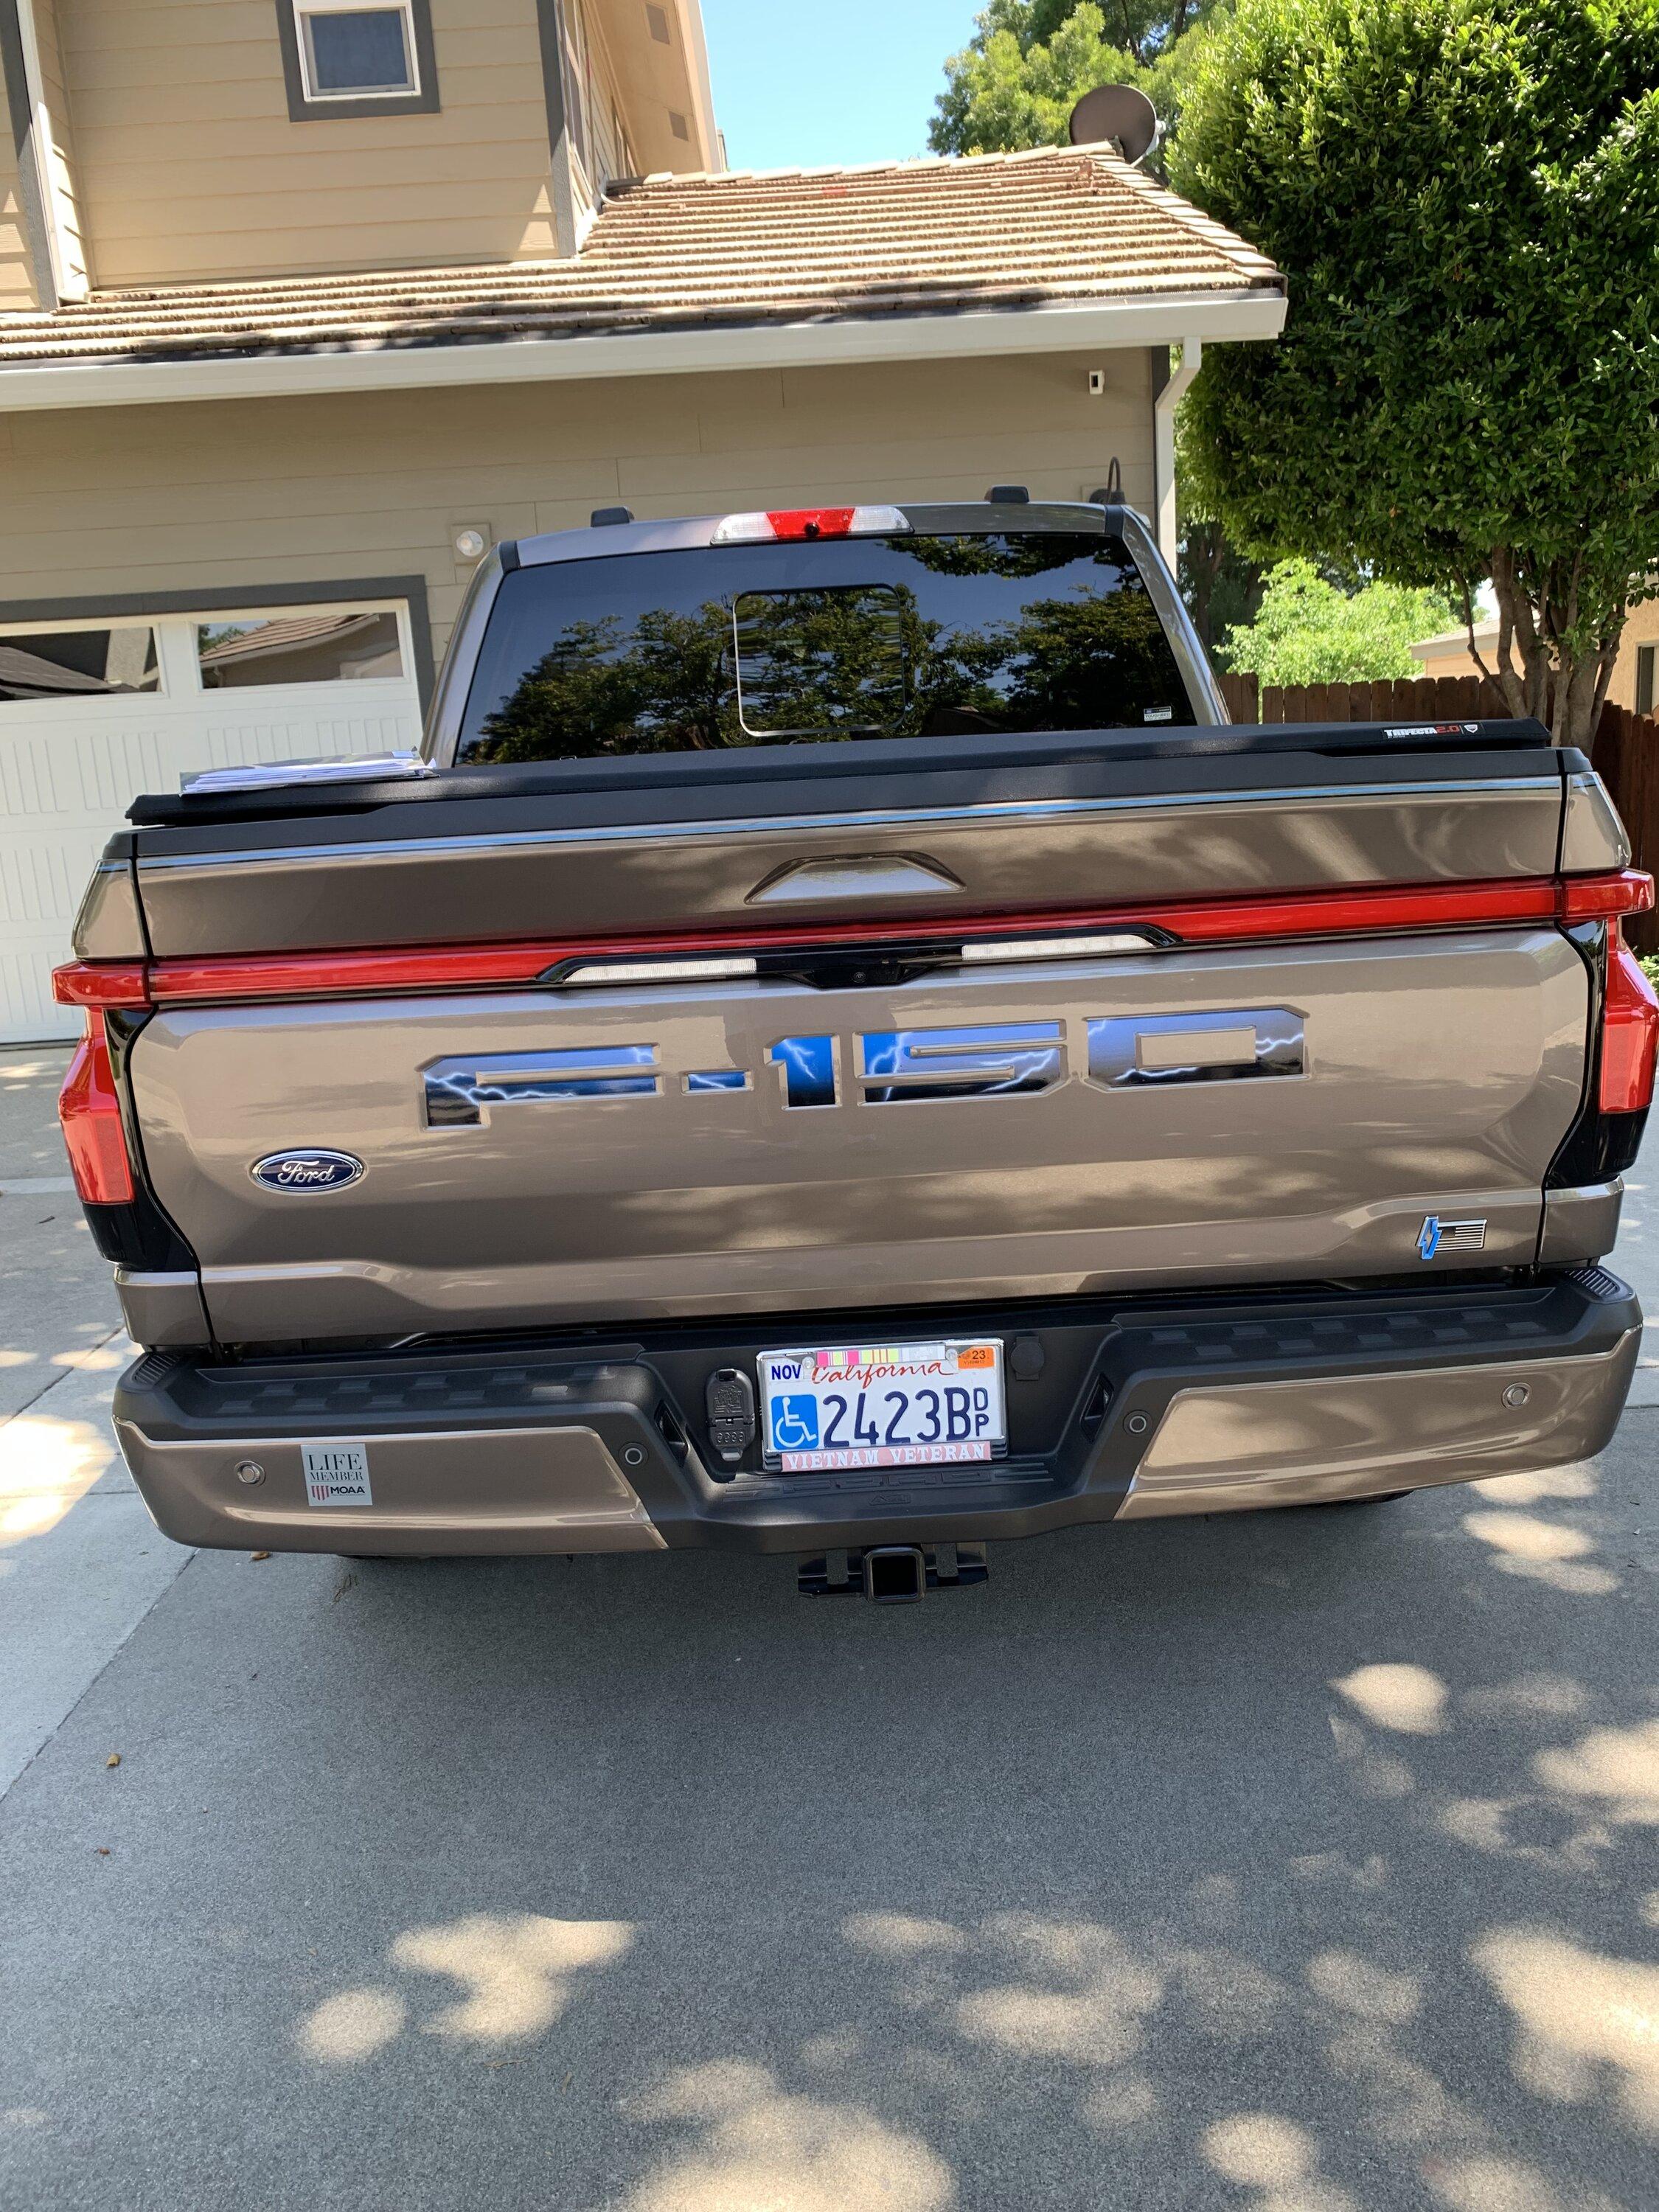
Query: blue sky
column 812, row 80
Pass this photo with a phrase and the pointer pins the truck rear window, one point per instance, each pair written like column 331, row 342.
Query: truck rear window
column 924, row 636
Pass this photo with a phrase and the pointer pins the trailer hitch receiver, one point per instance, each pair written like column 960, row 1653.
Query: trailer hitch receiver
column 893, row 1574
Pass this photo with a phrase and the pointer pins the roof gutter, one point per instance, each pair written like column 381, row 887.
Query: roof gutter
column 1163, row 444
column 1172, row 318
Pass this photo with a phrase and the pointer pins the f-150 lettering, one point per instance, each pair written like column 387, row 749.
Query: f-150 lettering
column 1013, row 1060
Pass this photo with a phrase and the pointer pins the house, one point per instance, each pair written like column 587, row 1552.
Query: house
column 304, row 303
column 1635, row 673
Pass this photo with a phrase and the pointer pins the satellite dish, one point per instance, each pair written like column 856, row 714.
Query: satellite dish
column 1116, row 115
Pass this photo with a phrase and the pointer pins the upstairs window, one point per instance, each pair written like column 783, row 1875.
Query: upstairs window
column 346, row 50
column 353, row 58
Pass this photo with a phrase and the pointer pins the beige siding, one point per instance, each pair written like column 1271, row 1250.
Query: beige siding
column 1641, row 628
column 63, row 181
column 16, row 277
column 601, row 154
column 275, row 492
column 190, row 167
column 1451, row 657
column 594, row 146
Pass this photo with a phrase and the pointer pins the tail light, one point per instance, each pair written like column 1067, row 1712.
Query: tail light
column 1629, row 1031
column 789, row 524
column 90, row 1112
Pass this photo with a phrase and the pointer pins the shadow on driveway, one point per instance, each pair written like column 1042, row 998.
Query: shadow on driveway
column 1302, row 1861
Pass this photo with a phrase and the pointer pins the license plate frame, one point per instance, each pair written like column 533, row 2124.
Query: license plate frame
column 796, row 1438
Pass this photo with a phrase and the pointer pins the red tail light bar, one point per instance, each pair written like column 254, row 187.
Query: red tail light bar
column 1630, row 1033
column 234, row 977
column 103, row 983
column 90, row 1113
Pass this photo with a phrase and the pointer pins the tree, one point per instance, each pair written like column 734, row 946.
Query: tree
column 1029, row 62
column 1309, row 632
column 663, row 687
column 1465, row 196
column 1221, row 587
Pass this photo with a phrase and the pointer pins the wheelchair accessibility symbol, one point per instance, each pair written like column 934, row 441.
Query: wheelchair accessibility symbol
column 795, row 1424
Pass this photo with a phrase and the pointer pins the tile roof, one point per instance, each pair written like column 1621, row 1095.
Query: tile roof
column 931, row 237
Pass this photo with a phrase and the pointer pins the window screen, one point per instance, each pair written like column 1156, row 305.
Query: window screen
column 731, row 645
column 76, row 664
column 357, row 50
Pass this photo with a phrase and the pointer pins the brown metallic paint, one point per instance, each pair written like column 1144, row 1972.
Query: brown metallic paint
column 554, row 1489
column 640, row 879
column 1441, row 1073
column 1580, row 1224
column 108, row 926
column 1222, row 1450
column 162, row 1309
column 1592, row 835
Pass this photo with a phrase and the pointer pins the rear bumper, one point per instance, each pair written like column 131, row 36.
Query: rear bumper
column 1118, row 1411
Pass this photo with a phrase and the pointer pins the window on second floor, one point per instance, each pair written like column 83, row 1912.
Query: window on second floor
column 346, row 50
column 357, row 58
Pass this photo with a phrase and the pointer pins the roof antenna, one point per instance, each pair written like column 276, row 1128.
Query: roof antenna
column 1118, row 116
column 1111, row 492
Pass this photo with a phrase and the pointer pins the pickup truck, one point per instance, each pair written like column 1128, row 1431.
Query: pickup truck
column 499, row 1150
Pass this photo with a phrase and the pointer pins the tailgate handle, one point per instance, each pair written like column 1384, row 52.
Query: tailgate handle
column 854, row 875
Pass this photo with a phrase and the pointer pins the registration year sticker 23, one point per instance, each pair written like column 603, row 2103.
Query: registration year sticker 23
column 890, row 1405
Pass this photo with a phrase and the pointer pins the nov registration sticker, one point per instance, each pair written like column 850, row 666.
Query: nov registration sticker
column 890, row 1405
column 336, row 1474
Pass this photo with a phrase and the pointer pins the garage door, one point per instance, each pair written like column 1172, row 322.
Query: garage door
column 91, row 713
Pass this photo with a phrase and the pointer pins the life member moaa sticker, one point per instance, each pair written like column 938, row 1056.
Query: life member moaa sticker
column 336, row 1474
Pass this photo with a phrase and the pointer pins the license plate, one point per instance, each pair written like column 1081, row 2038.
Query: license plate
column 890, row 1405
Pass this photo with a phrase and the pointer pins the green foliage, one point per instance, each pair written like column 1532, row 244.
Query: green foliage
column 1465, row 196
column 1221, row 585
column 663, row 689
column 1030, row 60
column 1309, row 632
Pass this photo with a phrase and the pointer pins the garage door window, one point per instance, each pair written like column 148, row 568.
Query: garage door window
column 330, row 646
column 99, row 703
column 44, row 664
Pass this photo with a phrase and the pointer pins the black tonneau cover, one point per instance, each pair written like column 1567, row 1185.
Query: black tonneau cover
column 888, row 769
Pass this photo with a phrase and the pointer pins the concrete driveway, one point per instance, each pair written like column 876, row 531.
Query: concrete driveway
column 1297, row 1863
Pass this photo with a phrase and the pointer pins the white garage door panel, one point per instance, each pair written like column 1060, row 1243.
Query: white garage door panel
column 70, row 767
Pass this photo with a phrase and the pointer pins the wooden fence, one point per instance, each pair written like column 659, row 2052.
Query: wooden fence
column 1410, row 699
column 1625, row 753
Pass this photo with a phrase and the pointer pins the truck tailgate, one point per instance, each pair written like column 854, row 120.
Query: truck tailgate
column 1041, row 1031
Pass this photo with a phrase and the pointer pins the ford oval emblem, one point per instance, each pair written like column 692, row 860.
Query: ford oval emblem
column 313, row 1169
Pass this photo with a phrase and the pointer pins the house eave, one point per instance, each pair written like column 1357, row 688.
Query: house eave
column 1168, row 319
